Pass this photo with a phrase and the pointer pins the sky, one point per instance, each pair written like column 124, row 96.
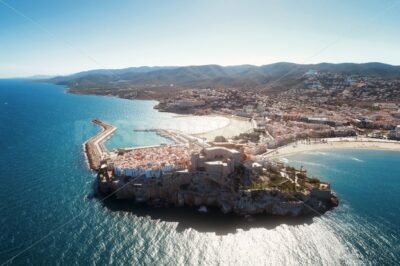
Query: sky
column 47, row 37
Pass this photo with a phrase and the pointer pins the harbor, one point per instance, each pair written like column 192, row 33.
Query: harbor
column 97, row 152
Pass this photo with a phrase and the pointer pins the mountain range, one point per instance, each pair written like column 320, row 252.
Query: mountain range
column 272, row 76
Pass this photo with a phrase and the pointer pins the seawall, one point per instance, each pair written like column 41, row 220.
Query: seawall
column 94, row 147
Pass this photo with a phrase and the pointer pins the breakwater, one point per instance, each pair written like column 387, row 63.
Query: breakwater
column 94, row 147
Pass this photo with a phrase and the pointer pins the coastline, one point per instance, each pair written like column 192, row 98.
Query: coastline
column 333, row 144
column 231, row 129
column 235, row 126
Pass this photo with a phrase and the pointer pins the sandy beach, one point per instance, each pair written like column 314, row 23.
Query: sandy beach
column 236, row 126
column 210, row 126
column 334, row 143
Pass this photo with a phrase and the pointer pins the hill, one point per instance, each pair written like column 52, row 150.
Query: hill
column 273, row 77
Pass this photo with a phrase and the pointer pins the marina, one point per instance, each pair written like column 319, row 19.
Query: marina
column 97, row 152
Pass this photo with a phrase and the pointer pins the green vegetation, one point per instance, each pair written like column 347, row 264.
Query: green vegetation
column 290, row 169
column 287, row 186
column 220, row 139
column 276, row 178
column 253, row 137
column 301, row 175
column 313, row 181
column 257, row 186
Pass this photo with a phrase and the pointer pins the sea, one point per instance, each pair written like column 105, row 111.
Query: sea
column 49, row 214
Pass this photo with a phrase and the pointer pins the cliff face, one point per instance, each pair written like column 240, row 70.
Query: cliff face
column 196, row 191
column 282, row 203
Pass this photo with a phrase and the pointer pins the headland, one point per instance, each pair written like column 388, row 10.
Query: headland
column 202, row 174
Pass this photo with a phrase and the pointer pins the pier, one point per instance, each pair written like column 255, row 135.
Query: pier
column 95, row 149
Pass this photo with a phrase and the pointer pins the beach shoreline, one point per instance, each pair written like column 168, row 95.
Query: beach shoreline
column 235, row 127
column 210, row 126
column 333, row 144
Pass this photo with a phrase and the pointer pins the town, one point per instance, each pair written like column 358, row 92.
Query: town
column 191, row 172
column 237, row 174
column 321, row 105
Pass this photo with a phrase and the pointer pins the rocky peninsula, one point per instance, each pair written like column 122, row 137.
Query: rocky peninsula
column 213, row 174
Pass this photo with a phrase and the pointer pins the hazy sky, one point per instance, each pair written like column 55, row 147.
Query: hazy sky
column 61, row 37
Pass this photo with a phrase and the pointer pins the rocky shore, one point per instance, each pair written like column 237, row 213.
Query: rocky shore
column 219, row 175
column 197, row 191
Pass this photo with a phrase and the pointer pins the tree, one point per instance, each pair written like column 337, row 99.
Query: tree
column 220, row 139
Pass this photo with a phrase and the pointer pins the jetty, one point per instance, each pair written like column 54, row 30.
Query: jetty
column 94, row 147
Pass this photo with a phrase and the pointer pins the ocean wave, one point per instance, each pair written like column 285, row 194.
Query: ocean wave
column 357, row 160
column 335, row 155
column 309, row 163
column 284, row 160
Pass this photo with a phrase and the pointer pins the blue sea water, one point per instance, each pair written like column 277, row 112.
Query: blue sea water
column 48, row 217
